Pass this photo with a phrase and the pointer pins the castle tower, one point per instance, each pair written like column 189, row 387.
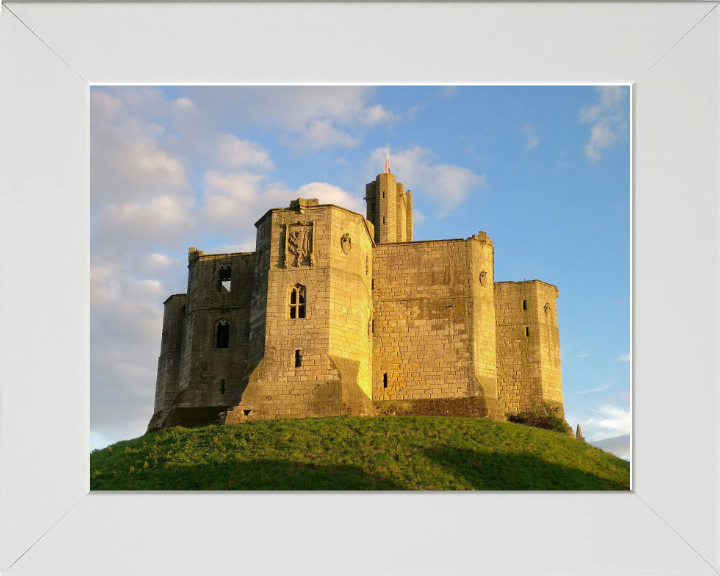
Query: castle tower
column 528, row 344
column 311, row 315
column 389, row 208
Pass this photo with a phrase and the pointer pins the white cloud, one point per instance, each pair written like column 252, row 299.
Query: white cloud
column 447, row 185
column 531, row 138
column 618, row 445
column 312, row 117
column 322, row 133
column 127, row 163
column 235, row 201
column 418, row 217
column 412, row 112
column 104, row 107
column 582, row 355
column 624, row 358
column 607, row 421
column 125, row 330
column 330, row 194
column 376, row 115
column 235, row 153
column 230, row 248
column 184, row 103
column 596, row 389
column 449, row 91
column 608, row 119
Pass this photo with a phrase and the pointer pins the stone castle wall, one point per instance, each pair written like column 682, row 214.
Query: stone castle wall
column 211, row 375
column 528, row 345
column 168, row 373
column 387, row 324
column 433, row 321
column 329, row 340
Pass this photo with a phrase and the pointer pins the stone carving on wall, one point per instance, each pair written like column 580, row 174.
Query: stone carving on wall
column 483, row 278
column 346, row 243
column 547, row 308
column 299, row 244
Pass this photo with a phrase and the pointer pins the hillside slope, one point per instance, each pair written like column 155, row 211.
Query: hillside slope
column 353, row 453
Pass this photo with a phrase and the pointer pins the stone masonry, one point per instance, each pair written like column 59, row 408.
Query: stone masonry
column 336, row 313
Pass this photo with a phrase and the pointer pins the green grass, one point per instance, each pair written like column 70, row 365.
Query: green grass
column 350, row 453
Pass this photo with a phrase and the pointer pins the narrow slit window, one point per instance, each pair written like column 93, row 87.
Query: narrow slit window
column 524, row 304
column 225, row 274
column 223, row 388
column 527, row 331
column 383, row 219
column 297, row 302
column 385, row 380
column 372, row 208
column 383, row 194
column 298, row 359
column 372, row 284
column 222, row 334
column 372, row 324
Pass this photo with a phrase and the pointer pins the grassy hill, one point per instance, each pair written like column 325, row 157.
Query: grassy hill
column 350, row 453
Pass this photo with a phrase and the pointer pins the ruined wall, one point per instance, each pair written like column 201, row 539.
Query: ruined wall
column 310, row 252
column 212, row 371
column 429, row 312
column 528, row 344
column 168, row 373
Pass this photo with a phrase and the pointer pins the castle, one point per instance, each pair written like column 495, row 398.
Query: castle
column 336, row 313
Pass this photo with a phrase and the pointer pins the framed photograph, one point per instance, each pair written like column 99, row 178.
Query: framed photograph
column 53, row 53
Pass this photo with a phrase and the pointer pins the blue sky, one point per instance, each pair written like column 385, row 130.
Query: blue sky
column 545, row 171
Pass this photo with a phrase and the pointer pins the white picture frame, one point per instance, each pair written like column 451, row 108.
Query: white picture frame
column 49, row 56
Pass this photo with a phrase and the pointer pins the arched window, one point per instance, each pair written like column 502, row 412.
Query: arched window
column 222, row 334
column 297, row 301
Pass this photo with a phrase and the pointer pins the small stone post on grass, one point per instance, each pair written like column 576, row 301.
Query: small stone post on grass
column 578, row 434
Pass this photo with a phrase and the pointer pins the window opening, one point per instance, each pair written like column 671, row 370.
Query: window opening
column 224, row 285
column 385, row 380
column 246, row 412
column 524, row 304
column 383, row 219
column 298, row 359
column 383, row 194
column 297, row 302
column 527, row 331
column 372, row 208
column 372, row 284
column 222, row 334
column 373, row 326
column 223, row 389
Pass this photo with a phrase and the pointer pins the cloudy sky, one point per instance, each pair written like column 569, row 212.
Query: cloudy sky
column 545, row 171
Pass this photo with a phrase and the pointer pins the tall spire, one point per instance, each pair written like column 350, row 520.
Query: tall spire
column 387, row 161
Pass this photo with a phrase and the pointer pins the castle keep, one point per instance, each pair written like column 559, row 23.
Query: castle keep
column 336, row 313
